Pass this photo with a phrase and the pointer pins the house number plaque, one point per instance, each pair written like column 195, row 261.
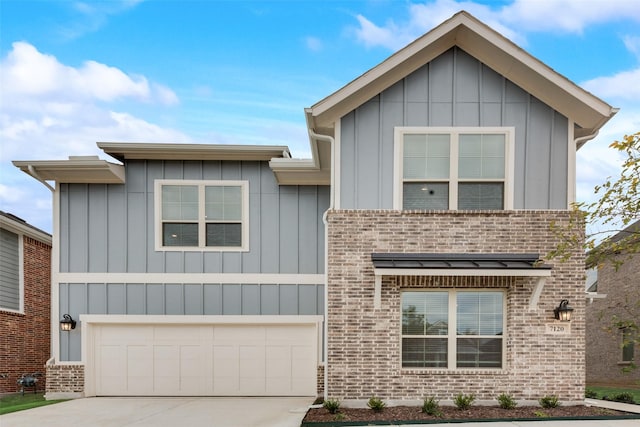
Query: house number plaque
column 558, row 328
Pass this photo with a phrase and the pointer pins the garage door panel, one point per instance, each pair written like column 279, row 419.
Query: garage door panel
column 205, row 360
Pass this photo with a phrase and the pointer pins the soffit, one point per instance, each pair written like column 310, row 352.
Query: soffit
column 87, row 170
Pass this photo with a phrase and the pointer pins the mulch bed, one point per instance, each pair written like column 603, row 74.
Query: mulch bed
column 411, row 414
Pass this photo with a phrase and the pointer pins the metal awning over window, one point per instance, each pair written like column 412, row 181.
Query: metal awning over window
column 459, row 264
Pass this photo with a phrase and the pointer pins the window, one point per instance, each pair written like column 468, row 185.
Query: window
column 202, row 215
column 627, row 345
column 10, row 261
column 454, row 168
column 452, row 329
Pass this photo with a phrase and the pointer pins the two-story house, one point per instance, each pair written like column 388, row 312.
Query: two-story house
column 404, row 259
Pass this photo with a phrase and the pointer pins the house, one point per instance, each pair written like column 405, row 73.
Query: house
column 614, row 306
column 404, row 259
column 25, row 304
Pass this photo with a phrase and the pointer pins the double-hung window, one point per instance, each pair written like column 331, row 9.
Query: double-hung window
column 453, row 329
column 202, row 215
column 453, row 168
column 628, row 341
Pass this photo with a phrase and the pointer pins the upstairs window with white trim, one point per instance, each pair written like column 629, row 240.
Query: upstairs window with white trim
column 202, row 215
column 453, row 168
column 453, row 329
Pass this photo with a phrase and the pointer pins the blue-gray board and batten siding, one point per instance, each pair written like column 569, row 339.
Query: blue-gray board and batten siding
column 454, row 89
column 109, row 228
column 183, row 299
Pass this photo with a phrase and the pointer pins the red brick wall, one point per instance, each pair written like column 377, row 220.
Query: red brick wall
column 364, row 344
column 25, row 338
column 604, row 353
column 65, row 379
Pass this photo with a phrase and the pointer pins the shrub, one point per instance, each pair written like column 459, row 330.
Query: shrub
column 549, row 401
column 624, row 398
column 464, row 401
column 430, row 406
column 376, row 404
column 507, row 401
column 590, row 394
column 331, row 405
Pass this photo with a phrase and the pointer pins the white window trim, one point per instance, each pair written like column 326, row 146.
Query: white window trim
column 451, row 336
column 509, row 155
column 20, row 310
column 244, row 185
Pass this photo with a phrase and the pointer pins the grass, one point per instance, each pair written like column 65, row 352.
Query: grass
column 612, row 391
column 17, row 402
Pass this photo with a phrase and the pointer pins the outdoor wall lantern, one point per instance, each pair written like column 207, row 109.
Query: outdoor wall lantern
column 563, row 311
column 67, row 323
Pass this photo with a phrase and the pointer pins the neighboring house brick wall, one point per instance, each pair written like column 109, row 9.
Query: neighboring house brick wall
column 604, row 340
column 364, row 345
column 25, row 337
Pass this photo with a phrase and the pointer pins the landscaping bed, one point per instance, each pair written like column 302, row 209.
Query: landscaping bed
column 321, row 417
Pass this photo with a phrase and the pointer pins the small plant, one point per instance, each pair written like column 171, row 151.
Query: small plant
column 540, row 414
column 376, row 404
column 624, row 398
column 331, row 405
column 590, row 394
column 549, row 401
column 339, row 416
column 464, row 401
column 431, row 406
column 507, row 401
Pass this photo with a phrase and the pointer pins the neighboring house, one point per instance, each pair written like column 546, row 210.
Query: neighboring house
column 403, row 259
column 25, row 302
column 615, row 300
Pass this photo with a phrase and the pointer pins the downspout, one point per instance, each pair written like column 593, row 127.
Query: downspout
column 331, row 141
column 53, row 311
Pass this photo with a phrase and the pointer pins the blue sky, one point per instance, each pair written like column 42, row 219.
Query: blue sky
column 240, row 72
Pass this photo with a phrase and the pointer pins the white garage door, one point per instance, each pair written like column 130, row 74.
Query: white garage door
column 205, row 360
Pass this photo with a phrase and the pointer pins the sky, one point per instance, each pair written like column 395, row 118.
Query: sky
column 73, row 73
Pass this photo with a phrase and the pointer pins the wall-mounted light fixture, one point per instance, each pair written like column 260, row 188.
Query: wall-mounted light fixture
column 563, row 311
column 67, row 323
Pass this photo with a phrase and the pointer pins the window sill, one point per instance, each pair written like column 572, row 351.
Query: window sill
column 625, row 363
column 416, row 371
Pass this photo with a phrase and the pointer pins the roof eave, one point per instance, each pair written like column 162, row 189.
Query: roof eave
column 157, row 151
column 74, row 170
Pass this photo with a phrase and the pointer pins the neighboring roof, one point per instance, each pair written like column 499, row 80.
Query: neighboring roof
column 631, row 230
column 78, row 169
column 458, row 261
column 16, row 224
column 148, row 151
column 488, row 46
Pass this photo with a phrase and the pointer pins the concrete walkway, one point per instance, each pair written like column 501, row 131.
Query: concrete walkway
column 164, row 412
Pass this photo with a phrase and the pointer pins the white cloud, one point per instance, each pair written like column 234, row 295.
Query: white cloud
column 512, row 20
column 92, row 16
column 50, row 110
column 313, row 43
column 28, row 72
column 632, row 43
column 624, row 85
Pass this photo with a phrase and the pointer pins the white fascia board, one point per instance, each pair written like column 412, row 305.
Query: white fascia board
column 158, row 151
column 75, row 170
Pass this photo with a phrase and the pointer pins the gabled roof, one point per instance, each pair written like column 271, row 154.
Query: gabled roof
column 488, row 46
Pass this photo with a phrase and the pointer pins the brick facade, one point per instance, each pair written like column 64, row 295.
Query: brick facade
column 25, row 338
column 604, row 341
column 364, row 345
column 65, row 379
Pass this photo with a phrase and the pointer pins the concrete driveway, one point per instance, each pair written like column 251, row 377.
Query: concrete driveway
column 165, row 412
